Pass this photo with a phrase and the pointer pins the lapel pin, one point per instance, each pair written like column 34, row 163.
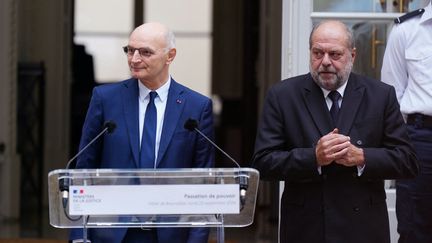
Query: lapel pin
column 179, row 101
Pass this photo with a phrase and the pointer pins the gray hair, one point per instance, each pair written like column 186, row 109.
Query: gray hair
column 349, row 32
column 170, row 39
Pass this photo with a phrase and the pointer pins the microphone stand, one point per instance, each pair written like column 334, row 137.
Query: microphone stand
column 192, row 125
column 64, row 183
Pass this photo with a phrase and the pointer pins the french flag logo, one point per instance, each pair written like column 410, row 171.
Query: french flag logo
column 80, row 191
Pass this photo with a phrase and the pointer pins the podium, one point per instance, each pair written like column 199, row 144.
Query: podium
column 149, row 198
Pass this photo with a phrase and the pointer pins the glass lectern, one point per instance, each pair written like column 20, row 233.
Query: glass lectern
column 142, row 198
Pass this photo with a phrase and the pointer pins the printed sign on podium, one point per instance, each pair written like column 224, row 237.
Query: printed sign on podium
column 103, row 198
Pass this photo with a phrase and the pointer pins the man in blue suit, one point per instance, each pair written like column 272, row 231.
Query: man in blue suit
column 150, row 51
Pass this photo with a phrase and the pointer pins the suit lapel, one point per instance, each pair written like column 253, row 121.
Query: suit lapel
column 174, row 107
column 315, row 103
column 351, row 102
column 130, row 95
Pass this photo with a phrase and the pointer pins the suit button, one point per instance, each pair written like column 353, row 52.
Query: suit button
column 359, row 142
column 356, row 209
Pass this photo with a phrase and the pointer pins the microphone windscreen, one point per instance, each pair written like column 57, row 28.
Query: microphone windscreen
column 191, row 124
column 110, row 125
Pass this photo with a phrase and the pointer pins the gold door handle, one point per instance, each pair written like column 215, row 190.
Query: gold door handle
column 374, row 45
column 401, row 6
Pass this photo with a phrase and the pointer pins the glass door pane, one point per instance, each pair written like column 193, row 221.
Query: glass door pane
column 346, row 6
column 370, row 39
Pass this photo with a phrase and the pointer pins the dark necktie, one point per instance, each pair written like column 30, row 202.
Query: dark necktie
column 148, row 140
column 334, row 110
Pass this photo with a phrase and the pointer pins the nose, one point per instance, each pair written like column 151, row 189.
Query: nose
column 326, row 61
column 136, row 56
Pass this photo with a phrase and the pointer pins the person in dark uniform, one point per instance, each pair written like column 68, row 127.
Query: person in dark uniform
column 407, row 65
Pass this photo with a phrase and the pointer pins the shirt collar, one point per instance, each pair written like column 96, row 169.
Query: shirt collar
column 161, row 91
column 341, row 90
column 427, row 15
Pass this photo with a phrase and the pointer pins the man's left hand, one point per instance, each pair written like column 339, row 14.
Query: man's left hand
column 354, row 157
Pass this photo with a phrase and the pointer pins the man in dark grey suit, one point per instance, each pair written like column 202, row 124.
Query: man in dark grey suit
column 334, row 137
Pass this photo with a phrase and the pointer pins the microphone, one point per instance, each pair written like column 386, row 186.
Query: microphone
column 192, row 125
column 108, row 127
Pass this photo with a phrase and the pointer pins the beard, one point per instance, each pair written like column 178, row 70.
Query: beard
column 334, row 82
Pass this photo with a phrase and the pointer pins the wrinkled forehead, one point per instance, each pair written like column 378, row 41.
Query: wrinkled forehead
column 328, row 47
column 329, row 44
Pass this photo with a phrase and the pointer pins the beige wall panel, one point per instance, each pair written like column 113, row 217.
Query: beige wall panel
column 110, row 62
column 103, row 15
column 181, row 15
column 192, row 65
column 191, row 21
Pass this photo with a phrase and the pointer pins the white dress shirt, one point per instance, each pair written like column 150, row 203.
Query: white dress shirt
column 407, row 63
column 340, row 90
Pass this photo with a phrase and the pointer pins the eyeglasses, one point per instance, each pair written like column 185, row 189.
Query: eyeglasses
column 143, row 52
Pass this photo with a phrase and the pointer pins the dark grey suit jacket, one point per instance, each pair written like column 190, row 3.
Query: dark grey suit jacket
column 336, row 205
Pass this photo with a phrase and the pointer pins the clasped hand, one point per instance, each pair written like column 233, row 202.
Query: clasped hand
column 335, row 147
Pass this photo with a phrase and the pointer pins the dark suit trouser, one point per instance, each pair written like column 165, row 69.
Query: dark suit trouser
column 414, row 196
column 137, row 235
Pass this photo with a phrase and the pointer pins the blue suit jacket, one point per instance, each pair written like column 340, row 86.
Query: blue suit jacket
column 179, row 148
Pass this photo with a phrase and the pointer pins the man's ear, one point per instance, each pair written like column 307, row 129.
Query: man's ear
column 353, row 54
column 171, row 55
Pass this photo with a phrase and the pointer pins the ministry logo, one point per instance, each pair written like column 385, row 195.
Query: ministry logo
column 78, row 191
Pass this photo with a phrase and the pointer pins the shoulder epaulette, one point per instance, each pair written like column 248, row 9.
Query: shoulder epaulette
column 409, row 15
